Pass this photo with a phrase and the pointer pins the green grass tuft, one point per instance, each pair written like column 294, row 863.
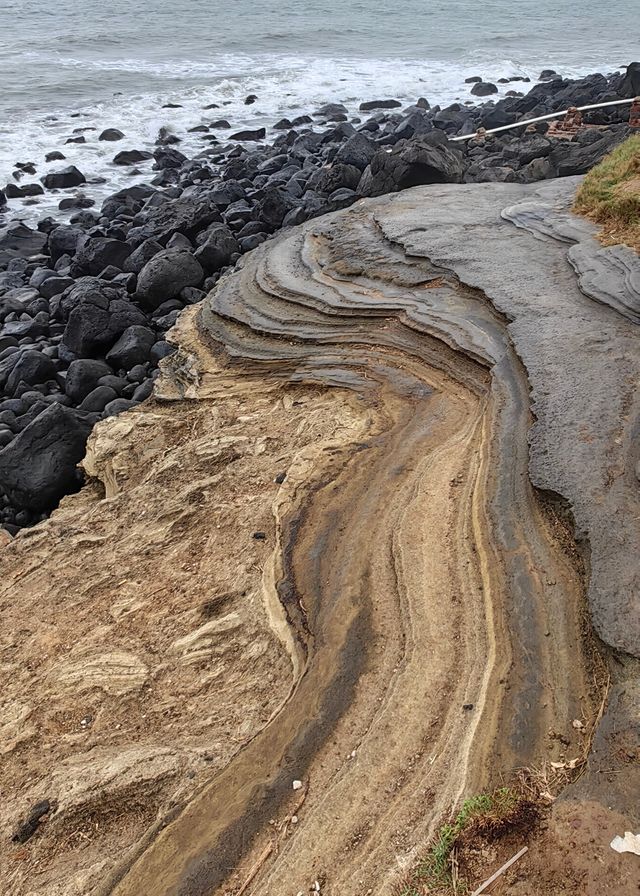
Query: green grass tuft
column 610, row 194
column 434, row 870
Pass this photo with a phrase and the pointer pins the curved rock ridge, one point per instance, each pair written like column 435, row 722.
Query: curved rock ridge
column 610, row 274
column 430, row 580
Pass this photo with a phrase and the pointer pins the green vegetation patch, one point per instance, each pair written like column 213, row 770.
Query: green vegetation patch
column 486, row 816
column 610, row 194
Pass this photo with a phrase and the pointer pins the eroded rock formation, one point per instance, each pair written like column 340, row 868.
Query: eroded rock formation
column 351, row 545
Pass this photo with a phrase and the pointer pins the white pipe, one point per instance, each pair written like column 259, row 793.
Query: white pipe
column 519, row 124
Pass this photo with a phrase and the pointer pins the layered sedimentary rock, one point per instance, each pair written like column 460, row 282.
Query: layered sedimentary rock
column 450, row 414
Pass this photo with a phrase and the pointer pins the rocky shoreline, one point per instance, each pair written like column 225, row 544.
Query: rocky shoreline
column 85, row 305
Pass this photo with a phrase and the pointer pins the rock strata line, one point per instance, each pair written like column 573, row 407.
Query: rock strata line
column 434, row 591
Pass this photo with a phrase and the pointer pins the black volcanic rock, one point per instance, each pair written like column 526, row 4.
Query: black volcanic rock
column 64, row 240
column 111, row 135
column 96, row 253
column 16, row 239
column 132, row 156
column 97, row 318
column 83, row 376
column 133, row 347
column 483, row 88
column 39, row 466
column 217, row 247
column 258, row 134
column 32, row 367
column 379, row 104
column 166, row 274
column 66, row 177
column 630, row 86
column 426, row 160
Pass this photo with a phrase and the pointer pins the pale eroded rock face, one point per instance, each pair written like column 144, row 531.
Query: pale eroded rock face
column 140, row 649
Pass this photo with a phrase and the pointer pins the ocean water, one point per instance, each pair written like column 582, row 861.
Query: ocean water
column 88, row 64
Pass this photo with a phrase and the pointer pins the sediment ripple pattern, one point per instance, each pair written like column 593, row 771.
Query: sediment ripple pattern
column 433, row 595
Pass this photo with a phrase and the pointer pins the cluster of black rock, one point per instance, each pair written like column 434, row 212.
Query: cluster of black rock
column 84, row 306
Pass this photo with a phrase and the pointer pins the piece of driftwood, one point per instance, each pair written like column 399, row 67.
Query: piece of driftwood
column 264, row 855
column 500, row 871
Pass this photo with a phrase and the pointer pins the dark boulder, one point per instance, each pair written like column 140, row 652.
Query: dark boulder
column 61, row 180
column 258, row 134
column 18, row 240
column 32, row 368
column 38, row 277
column 217, row 247
column 412, row 125
column 165, row 157
column 226, row 193
column 161, row 349
column 484, row 88
column 569, row 158
column 454, row 120
column 527, row 148
column 357, row 151
column 79, row 201
column 537, row 169
column 10, row 280
column 143, row 391
column 166, row 274
column 96, row 253
column 329, row 110
column 83, row 376
column 13, row 191
column 98, row 316
column 275, row 205
column 581, row 92
column 429, row 159
column 130, row 199
column 179, row 241
column 140, row 256
column 111, row 134
column 132, row 157
column 118, row 406
column 133, row 347
column 342, row 198
column 379, row 104
column 64, row 240
column 188, row 216
column 53, row 286
column 39, row 466
column 630, row 85
column 54, row 156
column 98, row 398
column 334, row 177
column 495, row 116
